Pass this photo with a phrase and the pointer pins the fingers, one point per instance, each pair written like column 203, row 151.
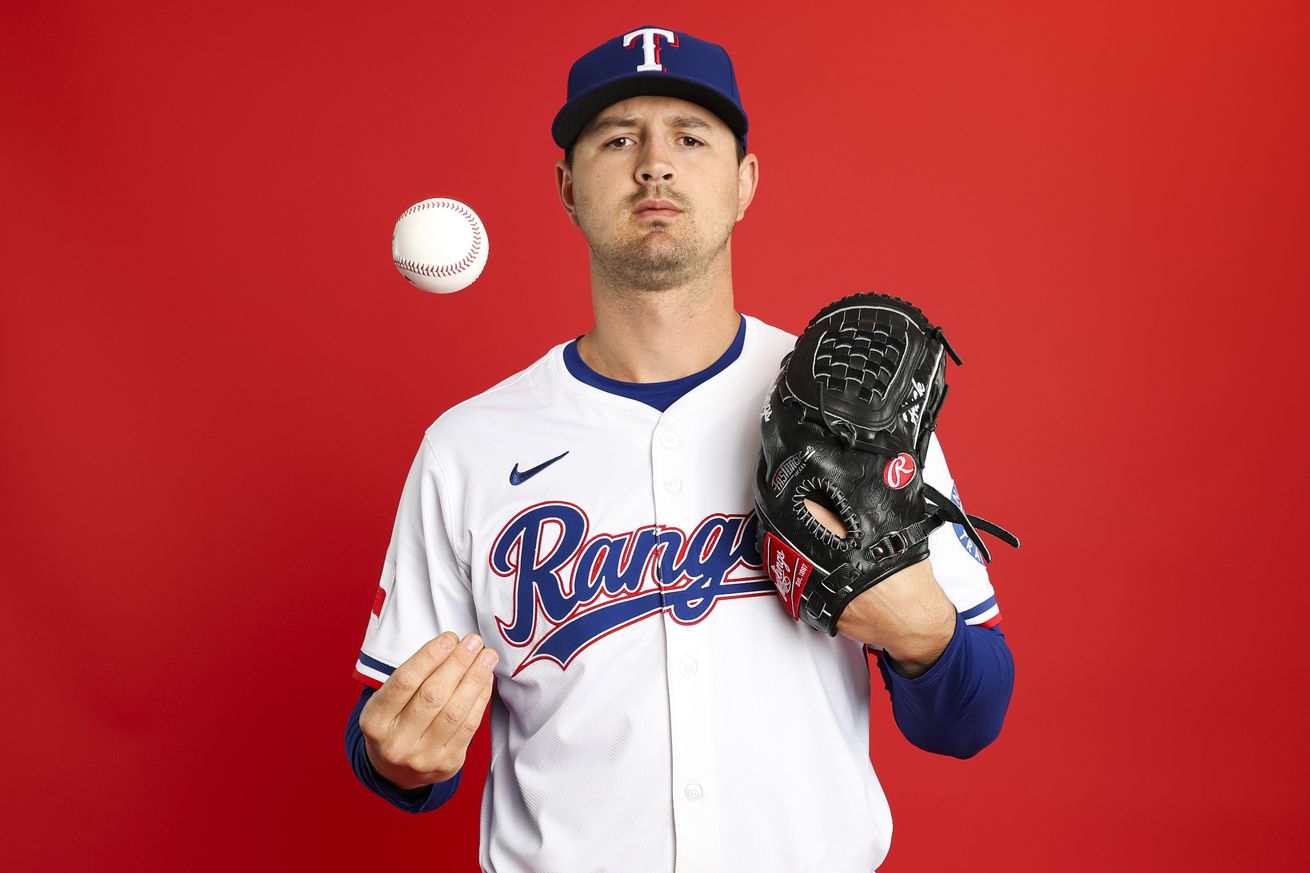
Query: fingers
column 443, row 700
column 454, row 726
column 390, row 700
column 430, row 708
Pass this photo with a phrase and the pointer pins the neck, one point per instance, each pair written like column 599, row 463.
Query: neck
column 656, row 336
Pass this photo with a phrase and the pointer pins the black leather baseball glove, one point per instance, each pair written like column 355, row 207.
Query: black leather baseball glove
column 846, row 429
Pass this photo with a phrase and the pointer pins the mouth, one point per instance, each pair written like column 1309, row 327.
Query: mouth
column 656, row 209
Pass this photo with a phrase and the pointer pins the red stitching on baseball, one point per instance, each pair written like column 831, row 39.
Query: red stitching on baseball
column 444, row 270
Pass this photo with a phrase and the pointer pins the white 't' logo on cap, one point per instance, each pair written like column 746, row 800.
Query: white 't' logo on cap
column 650, row 46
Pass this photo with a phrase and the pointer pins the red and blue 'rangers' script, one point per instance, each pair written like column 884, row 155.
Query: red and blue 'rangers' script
column 584, row 586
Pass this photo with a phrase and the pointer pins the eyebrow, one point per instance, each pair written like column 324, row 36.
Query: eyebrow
column 690, row 122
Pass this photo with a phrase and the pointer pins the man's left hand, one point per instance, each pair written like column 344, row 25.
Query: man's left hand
column 907, row 614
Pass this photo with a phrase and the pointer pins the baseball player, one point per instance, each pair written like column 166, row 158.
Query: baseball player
column 575, row 552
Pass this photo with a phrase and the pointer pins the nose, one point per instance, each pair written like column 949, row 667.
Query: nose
column 655, row 165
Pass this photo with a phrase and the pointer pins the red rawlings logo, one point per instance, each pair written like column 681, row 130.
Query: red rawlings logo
column 899, row 471
column 789, row 570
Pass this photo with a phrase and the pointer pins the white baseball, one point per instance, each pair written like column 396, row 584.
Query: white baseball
column 439, row 245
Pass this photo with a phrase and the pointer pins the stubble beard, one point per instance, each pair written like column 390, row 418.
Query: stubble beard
column 657, row 258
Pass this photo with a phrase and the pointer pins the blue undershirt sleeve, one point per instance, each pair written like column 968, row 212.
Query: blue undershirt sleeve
column 414, row 800
column 958, row 706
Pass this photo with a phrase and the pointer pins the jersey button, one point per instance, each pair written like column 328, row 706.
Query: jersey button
column 674, row 484
column 694, row 791
column 687, row 666
column 670, row 440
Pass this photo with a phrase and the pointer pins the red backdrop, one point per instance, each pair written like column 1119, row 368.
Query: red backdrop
column 213, row 382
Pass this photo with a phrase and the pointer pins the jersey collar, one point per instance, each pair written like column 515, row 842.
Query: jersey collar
column 658, row 395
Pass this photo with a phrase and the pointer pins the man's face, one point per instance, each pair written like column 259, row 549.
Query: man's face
column 656, row 189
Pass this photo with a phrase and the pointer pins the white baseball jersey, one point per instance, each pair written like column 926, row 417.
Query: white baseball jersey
column 656, row 708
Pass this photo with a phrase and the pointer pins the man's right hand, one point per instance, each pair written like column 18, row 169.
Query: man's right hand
column 417, row 727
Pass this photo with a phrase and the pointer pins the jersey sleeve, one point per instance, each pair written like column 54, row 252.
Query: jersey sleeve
column 424, row 589
column 956, row 562
column 958, row 706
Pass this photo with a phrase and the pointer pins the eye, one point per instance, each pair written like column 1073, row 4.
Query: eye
column 618, row 139
column 690, row 141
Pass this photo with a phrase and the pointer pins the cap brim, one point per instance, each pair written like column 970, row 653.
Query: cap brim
column 574, row 117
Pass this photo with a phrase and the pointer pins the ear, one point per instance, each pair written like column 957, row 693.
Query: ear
column 748, row 178
column 564, row 182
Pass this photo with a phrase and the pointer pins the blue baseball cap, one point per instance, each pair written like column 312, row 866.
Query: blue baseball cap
column 650, row 61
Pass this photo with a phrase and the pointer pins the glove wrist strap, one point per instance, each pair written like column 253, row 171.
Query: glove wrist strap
column 900, row 541
column 944, row 508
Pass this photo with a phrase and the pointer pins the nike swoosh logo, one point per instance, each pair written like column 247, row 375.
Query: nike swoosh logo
column 517, row 478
